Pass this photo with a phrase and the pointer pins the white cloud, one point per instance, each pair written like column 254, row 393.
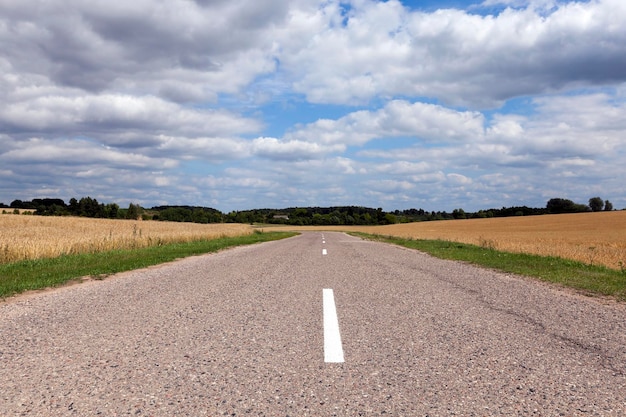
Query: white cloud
column 77, row 153
column 574, row 137
column 404, row 167
column 586, row 126
column 533, row 4
column 461, row 58
column 193, row 51
column 398, row 118
column 133, row 46
column 91, row 114
column 458, row 179
column 240, row 179
column 273, row 148
column 205, row 148
column 390, row 186
column 168, row 100
column 507, row 126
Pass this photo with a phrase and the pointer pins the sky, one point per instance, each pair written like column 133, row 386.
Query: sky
column 243, row 104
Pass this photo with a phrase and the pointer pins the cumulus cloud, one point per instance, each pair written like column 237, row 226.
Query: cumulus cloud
column 404, row 168
column 432, row 123
column 273, row 148
column 572, row 138
column 241, row 179
column 103, row 113
column 194, row 51
column 460, row 57
column 390, row 186
column 71, row 152
column 205, row 148
column 358, row 102
column 211, row 47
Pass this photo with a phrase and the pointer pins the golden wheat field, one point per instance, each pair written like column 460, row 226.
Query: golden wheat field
column 34, row 237
column 593, row 238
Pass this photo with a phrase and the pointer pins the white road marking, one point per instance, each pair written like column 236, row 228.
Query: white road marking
column 324, row 252
column 333, row 350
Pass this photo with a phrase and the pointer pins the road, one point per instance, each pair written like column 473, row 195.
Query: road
column 241, row 333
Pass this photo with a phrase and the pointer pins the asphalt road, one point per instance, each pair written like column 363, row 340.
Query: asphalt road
column 241, row 333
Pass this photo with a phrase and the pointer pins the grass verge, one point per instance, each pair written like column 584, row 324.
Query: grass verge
column 21, row 276
column 587, row 279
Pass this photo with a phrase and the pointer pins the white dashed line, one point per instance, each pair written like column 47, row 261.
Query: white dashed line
column 324, row 252
column 333, row 351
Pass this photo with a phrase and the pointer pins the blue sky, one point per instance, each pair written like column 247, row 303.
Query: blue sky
column 245, row 104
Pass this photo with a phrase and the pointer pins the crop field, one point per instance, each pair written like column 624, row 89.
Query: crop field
column 25, row 237
column 592, row 238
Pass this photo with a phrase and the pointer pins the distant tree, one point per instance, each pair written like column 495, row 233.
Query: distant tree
column 89, row 207
column 199, row 216
column 299, row 212
column 380, row 216
column 74, row 207
column 48, row 202
column 562, row 205
column 608, row 206
column 333, row 219
column 596, row 204
column 317, row 219
column 52, row 210
column 171, row 214
column 481, row 214
column 111, row 210
column 50, row 207
column 391, row 218
column 134, row 211
column 459, row 214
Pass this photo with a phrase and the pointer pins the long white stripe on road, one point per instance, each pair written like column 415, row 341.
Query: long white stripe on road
column 333, row 351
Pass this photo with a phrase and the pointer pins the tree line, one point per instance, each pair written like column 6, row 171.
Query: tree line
column 297, row 216
column 85, row 207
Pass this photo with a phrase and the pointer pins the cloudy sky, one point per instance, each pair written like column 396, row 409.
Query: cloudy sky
column 241, row 104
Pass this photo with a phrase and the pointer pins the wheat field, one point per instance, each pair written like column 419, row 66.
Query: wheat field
column 593, row 238
column 25, row 237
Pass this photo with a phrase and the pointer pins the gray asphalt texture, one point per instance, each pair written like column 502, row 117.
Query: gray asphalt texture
column 240, row 333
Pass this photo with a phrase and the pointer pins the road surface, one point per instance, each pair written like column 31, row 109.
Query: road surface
column 242, row 333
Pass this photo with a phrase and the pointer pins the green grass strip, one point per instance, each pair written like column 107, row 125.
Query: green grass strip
column 588, row 279
column 42, row 273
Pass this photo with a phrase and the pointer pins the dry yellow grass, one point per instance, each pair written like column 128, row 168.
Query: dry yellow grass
column 592, row 238
column 34, row 237
column 16, row 211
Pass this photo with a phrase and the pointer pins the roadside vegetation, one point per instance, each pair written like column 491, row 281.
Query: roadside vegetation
column 35, row 237
column 585, row 278
column 594, row 238
column 590, row 238
column 17, row 277
column 582, row 247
